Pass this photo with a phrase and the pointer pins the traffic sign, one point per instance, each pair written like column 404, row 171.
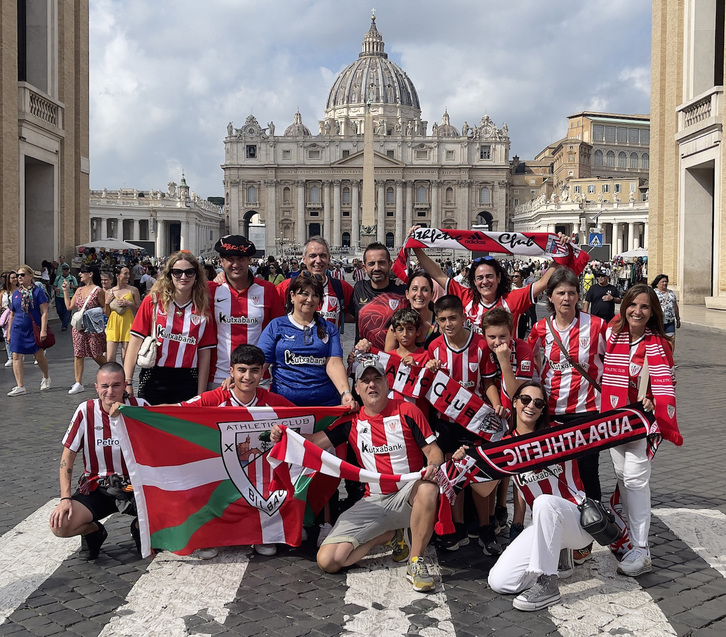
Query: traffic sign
column 596, row 239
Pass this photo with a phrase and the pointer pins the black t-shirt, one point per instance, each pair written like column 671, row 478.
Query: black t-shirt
column 373, row 309
column 604, row 309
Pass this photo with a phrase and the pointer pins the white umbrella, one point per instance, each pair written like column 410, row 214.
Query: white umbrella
column 110, row 244
column 635, row 253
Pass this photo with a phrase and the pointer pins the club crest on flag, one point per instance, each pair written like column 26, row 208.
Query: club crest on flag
column 671, row 411
column 613, row 401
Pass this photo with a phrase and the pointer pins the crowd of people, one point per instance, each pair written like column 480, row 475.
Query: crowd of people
column 231, row 332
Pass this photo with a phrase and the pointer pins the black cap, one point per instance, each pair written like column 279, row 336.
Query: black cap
column 235, row 245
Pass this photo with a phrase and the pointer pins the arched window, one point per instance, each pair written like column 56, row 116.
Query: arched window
column 622, row 160
column 485, row 197
column 389, row 195
column 389, row 239
column 421, row 194
column 346, row 196
column 610, row 159
column 286, row 195
column 598, row 158
column 449, row 195
column 346, row 240
column 645, row 161
column 251, row 194
column 314, row 194
column 633, row 160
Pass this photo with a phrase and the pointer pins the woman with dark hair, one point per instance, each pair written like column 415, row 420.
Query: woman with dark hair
column 303, row 350
column 86, row 344
column 9, row 285
column 541, row 553
column 420, row 295
column 176, row 313
column 274, row 275
column 639, row 366
column 669, row 305
column 569, row 346
column 122, row 301
column 28, row 306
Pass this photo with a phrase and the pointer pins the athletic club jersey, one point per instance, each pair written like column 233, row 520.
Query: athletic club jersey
column 93, row 430
column 180, row 333
column 515, row 302
column 240, row 318
column 330, row 308
column 373, row 309
column 584, row 339
column 390, row 442
column 532, row 484
column 225, row 398
column 522, row 361
column 464, row 365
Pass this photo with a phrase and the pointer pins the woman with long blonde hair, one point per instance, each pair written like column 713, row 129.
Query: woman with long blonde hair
column 176, row 314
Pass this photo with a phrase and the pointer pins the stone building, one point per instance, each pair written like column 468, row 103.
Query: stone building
column 161, row 222
column 688, row 166
column 304, row 182
column 44, row 162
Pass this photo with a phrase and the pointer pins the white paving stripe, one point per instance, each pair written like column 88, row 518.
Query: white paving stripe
column 704, row 530
column 382, row 582
column 596, row 600
column 29, row 554
column 175, row 587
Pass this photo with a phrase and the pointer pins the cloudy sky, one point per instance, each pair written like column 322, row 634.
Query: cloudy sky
column 166, row 76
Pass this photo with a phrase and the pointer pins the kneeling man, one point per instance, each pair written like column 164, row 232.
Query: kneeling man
column 387, row 436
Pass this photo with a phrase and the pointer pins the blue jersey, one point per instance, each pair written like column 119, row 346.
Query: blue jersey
column 297, row 358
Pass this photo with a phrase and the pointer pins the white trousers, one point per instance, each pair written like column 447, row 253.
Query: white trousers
column 632, row 469
column 555, row 525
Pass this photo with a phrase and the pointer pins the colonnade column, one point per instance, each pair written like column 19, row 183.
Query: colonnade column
column 399, row 239
column 576, row 231
column 336, row 213
column 184, row 236
column 270, row 216
column 409, row 205
column 645, row 235
column 617, row 240
column 462, row 205
column 631, row 236
column 161, row 247
column 354, row 216
column 327, row 214
column 381, row 213
column 135, row 232
column 301, row 230
column 435, row 216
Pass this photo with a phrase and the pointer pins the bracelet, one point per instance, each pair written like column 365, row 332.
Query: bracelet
column 66, row 498
column 129, row 383
column 344, row 392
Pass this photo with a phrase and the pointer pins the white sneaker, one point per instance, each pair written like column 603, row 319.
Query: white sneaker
column 265, row 549
column 207, row 554
column 76, row 389
column 45, row 384
column 17, row 391
column 325, row 530
column 9, row 362
column 636, row 562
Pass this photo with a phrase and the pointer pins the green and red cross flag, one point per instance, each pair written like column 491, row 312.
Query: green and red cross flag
column 201, row 476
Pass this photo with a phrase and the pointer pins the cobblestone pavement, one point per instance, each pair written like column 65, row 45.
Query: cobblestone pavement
column 47, row 588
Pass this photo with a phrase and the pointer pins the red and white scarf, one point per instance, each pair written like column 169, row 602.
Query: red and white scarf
column 530, row 244
column 616, row 379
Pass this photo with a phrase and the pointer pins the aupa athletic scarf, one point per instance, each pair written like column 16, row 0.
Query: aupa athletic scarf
column 527, row 244
column 444, row 393
column 617, row 372
column 201, row 478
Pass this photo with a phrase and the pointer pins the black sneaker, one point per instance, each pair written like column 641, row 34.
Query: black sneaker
column 452, row 541
column 502, row 517
column 95, row 540
column 488, row 541
column 136, row 534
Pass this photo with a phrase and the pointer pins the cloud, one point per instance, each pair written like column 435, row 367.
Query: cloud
column 166, row 76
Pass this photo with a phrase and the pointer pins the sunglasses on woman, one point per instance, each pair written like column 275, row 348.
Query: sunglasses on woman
column 306, row 274
column 526, row 399
column 479, row 260
column 189, row 272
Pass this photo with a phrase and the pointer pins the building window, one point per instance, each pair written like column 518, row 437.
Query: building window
column 622, row 135
column 345, row 239
column 286, row 195
column 251, row 194
column 389, row 153
column 610, row 159
column 389, row 213
column 617, row 188
column 598, row 133
column 314, row 154
column 516, row 202
column 591, row 190
column 633, row 136
column 449, row 198
column 449, row 155
column 622, row 160
column 421, row 194
column 421, row 213
column 346, row 213
column 422, row 154
column 634, row 160
column 389, row 239
column 346, row 196
column 251, row 151
column 485, row 197
column 598, row 158
column 485, row 151
column 346, row 153
column 645, row 161
column 605, row 188
column 314, row 196
column 314, row 213
column 286, row 154
column 144, row 230
column 571, row 173
column 578, row 190
column 389, row 195
column 314, row 230
column 644, row 137
column 610, row 134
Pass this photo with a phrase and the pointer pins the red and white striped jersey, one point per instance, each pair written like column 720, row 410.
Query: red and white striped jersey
column 465, row 365
column 584, row 339
column 522, row 361
column 180, row 333
column 532, row 484
column 240, row 318
column 329, row 308
column 94, row 430
column 515, row 302
column 225, row 398
column 390, row 442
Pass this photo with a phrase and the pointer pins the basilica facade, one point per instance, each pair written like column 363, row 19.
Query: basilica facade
column 303, row 183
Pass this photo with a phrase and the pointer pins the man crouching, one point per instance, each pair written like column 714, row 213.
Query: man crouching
column 387, row 436
column 105, row 480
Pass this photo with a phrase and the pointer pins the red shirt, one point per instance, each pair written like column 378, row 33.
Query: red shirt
column 515, row 302
column 522, row 361
column 225, row 398
column 464, row 365
column 389, row 442
column 179, row 334
column 240, row 318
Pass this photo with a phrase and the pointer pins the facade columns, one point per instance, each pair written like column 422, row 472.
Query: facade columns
column 631, row 236
column 409, row 205
column 381, row 213
column 399, row 214
column 354, row 216
column 135, row 229
column 184, row 243
column 576, row 231
column 462, row 205
column 617, row 240
column 300, row 225
column 435, row 205
column 336, row 238
column 645, row 235
column 161, row 241
column 271, row 220
column 327, row 214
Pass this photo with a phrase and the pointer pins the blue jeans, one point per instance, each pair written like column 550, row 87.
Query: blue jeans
column 63, row 314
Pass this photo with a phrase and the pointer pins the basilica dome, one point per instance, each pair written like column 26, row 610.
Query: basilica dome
column 373, row 76
column 297, row 128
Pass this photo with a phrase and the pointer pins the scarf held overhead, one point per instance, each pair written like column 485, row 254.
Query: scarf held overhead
column 528, row 244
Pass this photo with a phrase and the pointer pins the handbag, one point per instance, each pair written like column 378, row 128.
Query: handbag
column 598, row 521
column 146, row 358
column 49, row 339
column 77, row 318
column 94, row 321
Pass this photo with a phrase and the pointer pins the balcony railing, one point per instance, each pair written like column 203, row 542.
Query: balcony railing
column 702, row 110
column 32, row 102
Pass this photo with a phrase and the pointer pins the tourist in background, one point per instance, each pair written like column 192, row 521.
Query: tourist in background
column 10, row 284
column 122, row 301
column 669, row 307
column 64, row 313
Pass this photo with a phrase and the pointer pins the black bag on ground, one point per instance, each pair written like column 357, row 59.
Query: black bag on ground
column 598, row 522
